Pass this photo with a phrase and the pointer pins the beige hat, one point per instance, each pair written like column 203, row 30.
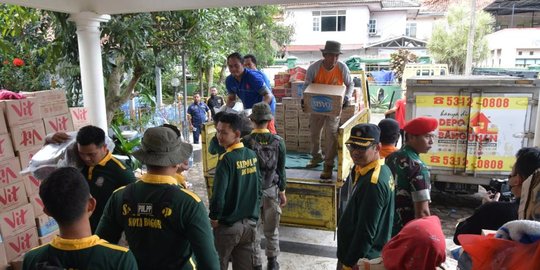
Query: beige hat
column 332, row 47
column 162, row 146
column 260, row 112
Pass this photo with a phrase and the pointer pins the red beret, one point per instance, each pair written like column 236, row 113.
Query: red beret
column 421, row 125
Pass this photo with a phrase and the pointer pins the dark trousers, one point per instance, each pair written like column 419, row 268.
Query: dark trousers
column 196, row 133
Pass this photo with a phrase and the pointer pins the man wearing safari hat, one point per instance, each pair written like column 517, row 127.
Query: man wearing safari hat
column 327, row 71
column 271, row 154
column 366, row 223
column 166, row 226
column 411, row 173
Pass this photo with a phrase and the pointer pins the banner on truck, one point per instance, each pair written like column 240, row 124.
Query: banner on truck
column 479, row 132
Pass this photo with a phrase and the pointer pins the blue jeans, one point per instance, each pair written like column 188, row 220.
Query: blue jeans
column 196, row 132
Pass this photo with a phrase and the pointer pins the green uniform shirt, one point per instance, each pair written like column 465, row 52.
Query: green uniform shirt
column 263, row 136
column 86, row 253
column 366, row 223
column 166, row 226
column 237, row 186
column 412, row 184
column 104, row 178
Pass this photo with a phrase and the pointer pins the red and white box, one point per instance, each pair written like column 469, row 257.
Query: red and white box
column 21, row 243
column 17, row 220
column 37, row 204
column 6, row 148
column 20, row 111
column 31, row 184
column 3, row 259
column 58, row 123
column 53, row 109
column 9, row 171
column 80, row 117
column 3, row 125
column 48, row 96
column 26, row 155
column 28, row 136
column 13, row 196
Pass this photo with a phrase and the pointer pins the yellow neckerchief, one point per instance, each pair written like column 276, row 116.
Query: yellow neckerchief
column 231, row 148
column 181, row 180
column 260, row 130
column 102, row 162
column 159, row 179
column 361, row 171
column 76, row 244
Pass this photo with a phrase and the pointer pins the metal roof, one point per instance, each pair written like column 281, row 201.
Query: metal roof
column 505, row 7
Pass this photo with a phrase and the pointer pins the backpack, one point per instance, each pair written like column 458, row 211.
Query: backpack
column 160, row 210
column 267, row 156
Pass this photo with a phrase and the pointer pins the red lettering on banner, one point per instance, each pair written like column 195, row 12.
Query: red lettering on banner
column 59, row 124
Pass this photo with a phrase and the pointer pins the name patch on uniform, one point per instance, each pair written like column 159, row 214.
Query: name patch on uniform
column 144, row 209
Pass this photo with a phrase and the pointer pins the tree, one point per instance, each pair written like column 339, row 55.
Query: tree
column 448, row 43
column 399, row 59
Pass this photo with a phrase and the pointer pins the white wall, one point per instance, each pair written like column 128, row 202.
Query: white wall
column 389, row 24
column 424, row 26
column 509, row 42
column 302, row 21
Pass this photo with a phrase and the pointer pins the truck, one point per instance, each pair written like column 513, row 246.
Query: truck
column 483, row 122
column 310, row 203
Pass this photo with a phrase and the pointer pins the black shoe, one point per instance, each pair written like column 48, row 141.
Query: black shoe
column 272, row 264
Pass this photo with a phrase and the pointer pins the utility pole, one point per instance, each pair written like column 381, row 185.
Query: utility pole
column 470, row 40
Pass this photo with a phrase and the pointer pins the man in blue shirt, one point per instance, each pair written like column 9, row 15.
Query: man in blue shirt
column 247, row 84
column 198, row 113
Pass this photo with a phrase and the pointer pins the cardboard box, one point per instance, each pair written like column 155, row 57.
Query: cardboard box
column 12, row 196
column 3, row 258
column 48, row 96
column 28, row 136
column 80, row 117
column 31, row 184
column 17, row 220
column 291, row 116
column 293, row 107
column 295, row 70
column 304, row 130
column 304, row 146
column 17, row 263
column 290, row 100
column 26, row 155
column 20, row 243
column 297, row 89
column 9, row 171
column 20, row 111
column 291, row 126
column 58, row 123
column 46, row 225
column 291, row 146
column 6, row 148
column 297, row 77
column 324, row 99
column 53, row 109
column 3, row 124
column 37, row 204
column 48, row 238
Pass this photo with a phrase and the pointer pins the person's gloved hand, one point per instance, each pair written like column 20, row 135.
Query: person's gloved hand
column 345, row 101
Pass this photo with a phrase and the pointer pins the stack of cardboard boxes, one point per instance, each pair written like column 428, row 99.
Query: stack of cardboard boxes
column 289, row 84
column 24, row 125
column 293, row 124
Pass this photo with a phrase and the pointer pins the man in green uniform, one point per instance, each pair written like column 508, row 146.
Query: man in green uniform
column 104, row 172
column 366, row 223
column 271, row 154
column 412, row 175
column 236, row 197
column 166, row 225
column 66, row 197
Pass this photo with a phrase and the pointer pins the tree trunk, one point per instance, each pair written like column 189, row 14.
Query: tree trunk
column 209, row 78
column 116, row 96
column 201, row 82
column 222, row 73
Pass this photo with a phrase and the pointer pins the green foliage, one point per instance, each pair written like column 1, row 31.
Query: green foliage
column 399, row 59
column 126, row 147
column 448, row 42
